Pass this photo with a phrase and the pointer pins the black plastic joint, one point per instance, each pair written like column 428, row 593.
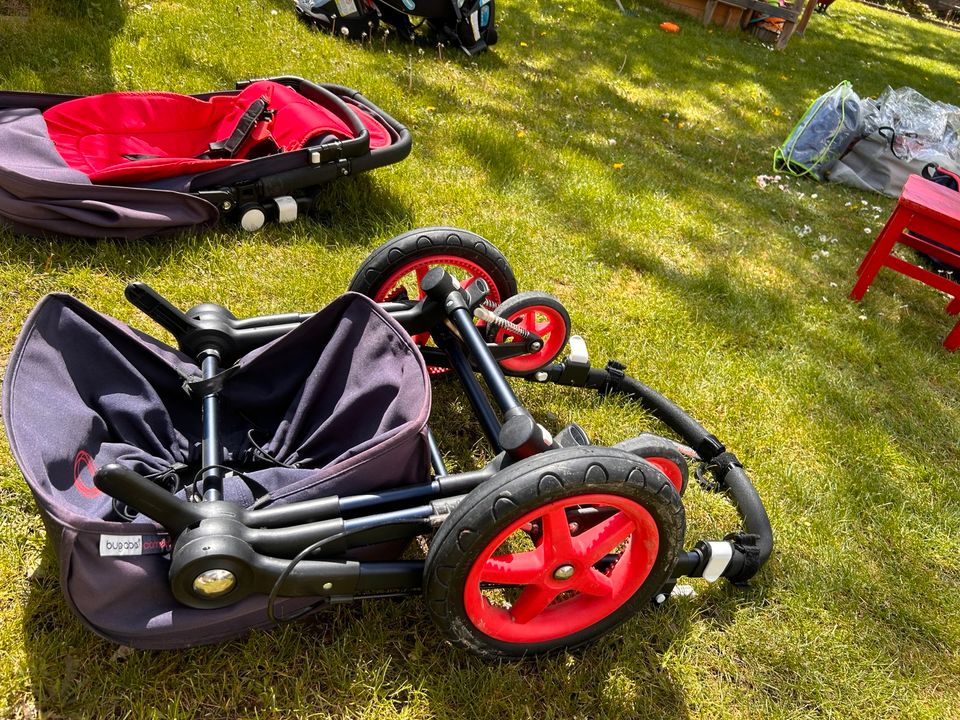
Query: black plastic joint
column 617, row 372
column 709, row 448
column 572, row 374
column 521, row 436
column 724, row 463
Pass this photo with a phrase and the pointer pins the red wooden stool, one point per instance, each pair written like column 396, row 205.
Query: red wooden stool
column 924, row 210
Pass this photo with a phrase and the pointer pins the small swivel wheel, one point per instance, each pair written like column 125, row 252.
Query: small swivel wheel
column 662, row 454
column 395, row 270
column 252, row 217
column 531, row 312
column 513, row 571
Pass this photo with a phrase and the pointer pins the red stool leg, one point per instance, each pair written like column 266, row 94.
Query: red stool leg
column 880, row 249
column 953, row 307
column 883, row 230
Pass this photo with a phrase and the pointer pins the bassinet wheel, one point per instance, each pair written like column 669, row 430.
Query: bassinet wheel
column 553, row 552
column 537, row 312
column 252, row 217
column 662, row 454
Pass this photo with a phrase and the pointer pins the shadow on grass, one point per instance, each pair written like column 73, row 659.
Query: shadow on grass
column 377, row 656
column 82, row 31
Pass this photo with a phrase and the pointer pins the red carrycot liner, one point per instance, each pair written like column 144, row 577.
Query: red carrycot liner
column 135, row 137
column 135, row 164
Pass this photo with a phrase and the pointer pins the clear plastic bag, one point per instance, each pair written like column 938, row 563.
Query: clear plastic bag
column 919, row 128
column 823, row 134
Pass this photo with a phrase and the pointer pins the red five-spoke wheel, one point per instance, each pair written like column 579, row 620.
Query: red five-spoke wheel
column 535, row 312
column 553, row 551
column 561, row 586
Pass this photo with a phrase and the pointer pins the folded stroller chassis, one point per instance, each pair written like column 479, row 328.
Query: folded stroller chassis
column 551, row 544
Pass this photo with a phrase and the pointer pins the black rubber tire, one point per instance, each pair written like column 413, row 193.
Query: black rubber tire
column 525, row 300
column 648, row 445
column 423, row 242
column 520, row 489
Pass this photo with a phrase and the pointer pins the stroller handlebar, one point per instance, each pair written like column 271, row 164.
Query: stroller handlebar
column 209, row 327
column 158, row 308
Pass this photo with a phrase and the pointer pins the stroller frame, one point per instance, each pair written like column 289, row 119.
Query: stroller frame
column 222, row 552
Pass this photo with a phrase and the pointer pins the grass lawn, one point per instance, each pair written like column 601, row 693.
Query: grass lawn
column 615, row 165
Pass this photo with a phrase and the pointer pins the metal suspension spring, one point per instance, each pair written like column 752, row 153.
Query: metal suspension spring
column 482, row 313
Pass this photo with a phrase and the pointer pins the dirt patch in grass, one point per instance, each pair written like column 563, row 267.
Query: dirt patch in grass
column 17, row 8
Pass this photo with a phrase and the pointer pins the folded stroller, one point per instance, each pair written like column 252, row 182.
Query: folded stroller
column 275, row 464
column 132, row 164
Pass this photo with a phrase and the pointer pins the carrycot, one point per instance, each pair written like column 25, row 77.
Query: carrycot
column 133, row 164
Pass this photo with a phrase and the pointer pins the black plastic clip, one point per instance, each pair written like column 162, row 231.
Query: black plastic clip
column 745, row 562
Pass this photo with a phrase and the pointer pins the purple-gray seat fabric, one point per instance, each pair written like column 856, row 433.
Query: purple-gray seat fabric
column 39, row 193
column 341, row 401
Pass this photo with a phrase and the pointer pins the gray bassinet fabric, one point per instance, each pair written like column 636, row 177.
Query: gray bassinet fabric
column 343, row 399
column 39, row 193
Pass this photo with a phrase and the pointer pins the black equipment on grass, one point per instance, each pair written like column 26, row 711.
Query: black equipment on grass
column 469, row 24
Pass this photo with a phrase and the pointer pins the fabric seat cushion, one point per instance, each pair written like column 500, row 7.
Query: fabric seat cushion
column 103, row 136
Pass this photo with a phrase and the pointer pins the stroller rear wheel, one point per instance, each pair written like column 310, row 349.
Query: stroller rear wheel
column 394, row 270
column 553, row 552
column 399, row 265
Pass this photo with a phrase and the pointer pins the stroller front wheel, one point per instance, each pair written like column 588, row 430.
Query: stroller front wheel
column 534, row 312
column 553, row 552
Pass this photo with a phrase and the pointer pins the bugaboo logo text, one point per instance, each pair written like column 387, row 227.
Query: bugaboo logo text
column 112, row 545
column 121, row 545
column 83, row 472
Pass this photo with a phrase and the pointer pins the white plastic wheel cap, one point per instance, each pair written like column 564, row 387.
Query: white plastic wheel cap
column 253, row 219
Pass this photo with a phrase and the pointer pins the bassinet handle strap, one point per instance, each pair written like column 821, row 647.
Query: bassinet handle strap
column 228, row 147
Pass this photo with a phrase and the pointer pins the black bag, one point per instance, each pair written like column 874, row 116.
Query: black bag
column 934, row 173
column 468, row 23
column 355, row 19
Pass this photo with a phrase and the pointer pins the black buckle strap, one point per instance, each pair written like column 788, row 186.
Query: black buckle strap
column 199, row 388
column 745, row 562
column 719, row 466
column 228, row 148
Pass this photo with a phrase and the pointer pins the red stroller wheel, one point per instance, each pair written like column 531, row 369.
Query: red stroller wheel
column 553, row 552
column 560, row 585
column 662, row 454
column 535, row 312
column 394, row 270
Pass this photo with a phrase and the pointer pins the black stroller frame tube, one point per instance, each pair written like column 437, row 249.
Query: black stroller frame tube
column 500, row 389
column 471, row 387
column 436, row 457
column 212, row 452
